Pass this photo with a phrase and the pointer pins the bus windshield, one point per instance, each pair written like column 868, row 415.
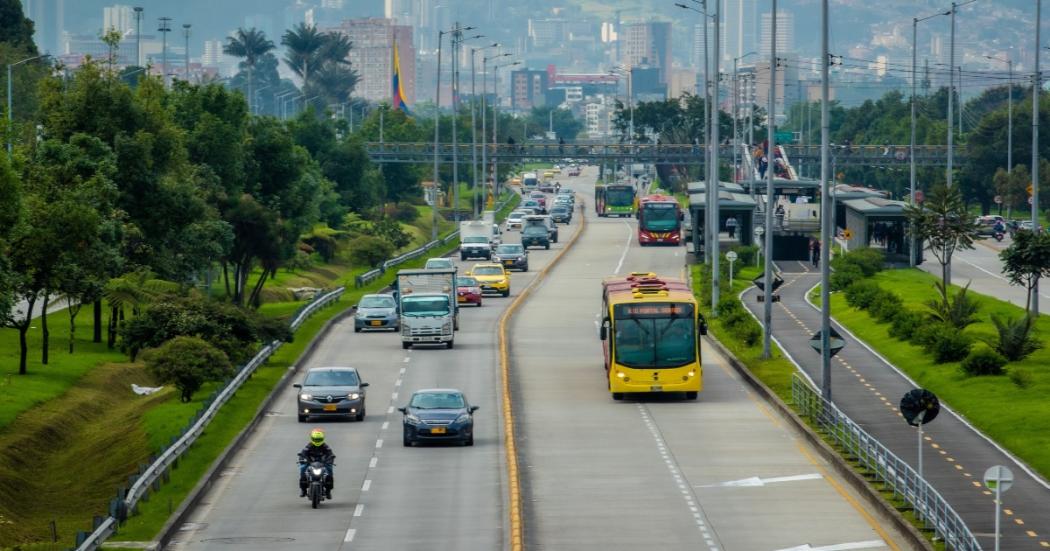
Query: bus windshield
column 654, row 337
column 619, row 196
column 661, row 217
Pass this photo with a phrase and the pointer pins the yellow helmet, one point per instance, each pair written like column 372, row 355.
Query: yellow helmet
column 317, row 437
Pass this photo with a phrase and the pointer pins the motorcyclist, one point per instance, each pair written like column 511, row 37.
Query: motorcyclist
column 999, row 227
column 316, row 450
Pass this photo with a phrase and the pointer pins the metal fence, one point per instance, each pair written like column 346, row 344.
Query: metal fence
column 930, row 508
column 151, row 476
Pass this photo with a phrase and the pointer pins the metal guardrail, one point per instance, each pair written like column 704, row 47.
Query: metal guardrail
column 930, row 507
column 374, row 274
column 151, row 476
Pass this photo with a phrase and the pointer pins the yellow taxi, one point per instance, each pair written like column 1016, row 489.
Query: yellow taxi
column 515, row 182
column 491, row 277
column 556, row 170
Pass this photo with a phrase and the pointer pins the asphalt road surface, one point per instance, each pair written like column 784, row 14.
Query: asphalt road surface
column 722, row 472
column 386, row 496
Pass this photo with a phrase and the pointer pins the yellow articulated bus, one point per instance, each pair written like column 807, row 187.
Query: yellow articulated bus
column 650, row 332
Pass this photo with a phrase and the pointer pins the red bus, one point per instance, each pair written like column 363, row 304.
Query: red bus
column 659, row 220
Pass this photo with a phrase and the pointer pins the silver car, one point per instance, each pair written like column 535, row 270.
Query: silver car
column 331, row 392
column 377, row 312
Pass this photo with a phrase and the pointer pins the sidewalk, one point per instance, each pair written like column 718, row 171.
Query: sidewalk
column 869, row 390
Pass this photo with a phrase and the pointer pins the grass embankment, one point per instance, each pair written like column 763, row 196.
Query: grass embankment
column 776, row 371
column 241, row 409
column 1011, row 408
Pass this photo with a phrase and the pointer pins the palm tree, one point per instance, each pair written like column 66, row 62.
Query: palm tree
column 333, row 82
column 249, row 44
column 304, row 42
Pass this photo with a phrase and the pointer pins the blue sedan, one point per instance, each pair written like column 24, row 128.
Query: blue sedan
column 438, row 415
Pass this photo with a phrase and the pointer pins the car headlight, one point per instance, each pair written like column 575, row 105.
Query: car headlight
column 355, row 396
column 305, row 396
column 462, row 418
column 521, row 259
column 412, row 419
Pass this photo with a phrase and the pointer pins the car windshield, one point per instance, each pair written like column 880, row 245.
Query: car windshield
column 510, row 249
column 326, row 377
column 438, row 400
column 424, row 306
column 559, row 210
column 654, row 341
column 476, row 239
column 516, row 215
column 535, row 229
column 438, row 263
column 466, row 281
column 377, row 302
column 487, row 270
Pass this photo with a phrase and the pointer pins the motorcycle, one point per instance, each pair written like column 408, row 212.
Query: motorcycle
column 998, row 235
column 316, row 482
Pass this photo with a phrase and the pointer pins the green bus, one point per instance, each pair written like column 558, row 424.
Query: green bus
column 615, row 200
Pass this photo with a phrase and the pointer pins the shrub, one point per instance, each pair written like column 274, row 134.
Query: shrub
column 983, row 361
column 845, row 276
column 370, row 251
column 958, row 311
column 742, row 326
column 403, row 212
column 187, row 362
column 390, row 230
column 868, row 261
column 906, row 324
column 885, row 306
column 948, row 344
column 1015, row 337
column 745, row 255
column 1021, row 377
column 861, row 294
column 729, row 305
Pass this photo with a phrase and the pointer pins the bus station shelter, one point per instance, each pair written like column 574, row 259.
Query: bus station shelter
column 732, row 201
column 878, row 223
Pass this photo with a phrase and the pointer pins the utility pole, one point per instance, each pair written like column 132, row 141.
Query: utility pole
column 457, row 39
column 714, row 206
column 951, row 100
column 708, row 247
column 1037, row 89
column 913, row 253
column 767, row 276
column 437, row 137
column 186, row 34
column 827, row 214
column 138, row 36
column 164, row 29
column 474, row 132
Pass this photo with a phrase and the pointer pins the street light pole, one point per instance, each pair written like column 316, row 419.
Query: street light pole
column 951, row 100
column 186, row 53
column 1037, row 89
column 138, row 35
column 913, row 254
column 713, row 206
column 10, row 101
column 437, row 125
column 164, row 30
column 827, row 214
column 767, row 276
column 474, row 125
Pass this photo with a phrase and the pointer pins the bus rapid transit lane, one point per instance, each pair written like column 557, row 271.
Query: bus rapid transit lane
column 386, row 496
column 722, row 472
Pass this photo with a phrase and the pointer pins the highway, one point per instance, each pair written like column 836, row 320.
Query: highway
column 597, row 474
column 982, row 268
column 386, row 496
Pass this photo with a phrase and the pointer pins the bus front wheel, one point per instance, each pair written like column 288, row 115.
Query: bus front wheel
column 692, row 395
column 617, row 395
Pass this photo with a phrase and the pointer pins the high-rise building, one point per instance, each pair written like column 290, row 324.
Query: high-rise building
column 49, row 21
column 120, row 18
column 785, row 32
column 528, row 88
column 649, row 44
column 373, row 57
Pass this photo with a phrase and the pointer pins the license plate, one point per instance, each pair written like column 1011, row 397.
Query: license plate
column 656, row 388
column 330, row 407
column 508, row 262
column 377, row 323
column 437, row 430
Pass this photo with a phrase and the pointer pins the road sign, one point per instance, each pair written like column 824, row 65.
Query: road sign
column 1029, row 190
column 761, row 283
column 998, row 199
column 835, row 341
column 783, row 137
column 998, row 477
column 731, row 256
column 847, row 234
column 759, row 230
column 919, row 196
column 920, row 406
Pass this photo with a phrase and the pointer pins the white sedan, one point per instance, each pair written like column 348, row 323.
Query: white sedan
column 515, row 220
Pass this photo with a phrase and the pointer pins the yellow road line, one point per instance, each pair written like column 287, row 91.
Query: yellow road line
column 517, row 535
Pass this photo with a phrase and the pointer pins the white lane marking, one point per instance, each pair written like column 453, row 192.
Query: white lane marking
column 390, row 409
column 402, row 371
column 350, row 535
column 870, row 544
column 407, row 359
column 626, row 247
column 385, row 425
column 372, row 462
column 756, row 481
column 359, row 510
column 397, row 382
column 393, row 396
column 366, row 485
column 379, row 443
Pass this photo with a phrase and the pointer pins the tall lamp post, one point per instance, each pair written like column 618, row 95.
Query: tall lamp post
column 913, row 254
column 138, row 35
column 474, row 122
column 1037, row 89
column 736, row 112
column 484, row 116
column 827, row 215
column 437, row 137
column 457, row 41
column 186, row 53
column 10, row 104
column 767, row 276
column 495, row 122
column 164, row 29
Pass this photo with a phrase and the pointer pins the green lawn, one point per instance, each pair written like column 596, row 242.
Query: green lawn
column 1014, row 416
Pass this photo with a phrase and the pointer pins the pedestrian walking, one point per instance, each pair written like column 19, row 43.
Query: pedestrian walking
column 814, row 252
column 731, row 224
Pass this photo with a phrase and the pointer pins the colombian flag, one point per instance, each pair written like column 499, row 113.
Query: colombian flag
column 398, row 96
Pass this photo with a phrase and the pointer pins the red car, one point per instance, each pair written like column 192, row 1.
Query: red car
column 468, row 290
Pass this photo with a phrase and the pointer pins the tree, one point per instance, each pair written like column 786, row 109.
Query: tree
column 188, row 362
column 942, row 222
column 566, row 126
column 15, row 28
column 1027, row 260
column 249, row 44
column 1011, row 187
column 10, row 215
column 303, row 42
